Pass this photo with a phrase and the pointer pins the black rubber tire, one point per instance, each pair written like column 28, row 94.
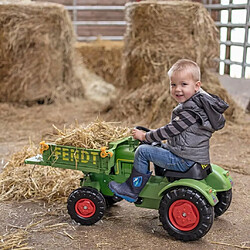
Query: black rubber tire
column 86, row 205
column 203, row 211
column 225, row 199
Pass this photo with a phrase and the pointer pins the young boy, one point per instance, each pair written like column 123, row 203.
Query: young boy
column 193, row 121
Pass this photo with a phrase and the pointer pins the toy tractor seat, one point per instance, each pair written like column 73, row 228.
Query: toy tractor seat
column 197, row 171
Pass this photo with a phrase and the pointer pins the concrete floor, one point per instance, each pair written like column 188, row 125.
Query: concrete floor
column 239, row 89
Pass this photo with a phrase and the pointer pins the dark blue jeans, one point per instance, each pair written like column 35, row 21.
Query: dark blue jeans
column 160, row 157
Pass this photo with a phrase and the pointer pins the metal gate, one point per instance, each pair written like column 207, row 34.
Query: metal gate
column 228, row 25
column 227, row 28
column 107, row 19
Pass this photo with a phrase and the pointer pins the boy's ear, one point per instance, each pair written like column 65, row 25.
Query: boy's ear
column 197, row 85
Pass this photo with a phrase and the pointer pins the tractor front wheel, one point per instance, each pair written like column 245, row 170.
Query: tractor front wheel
column 86, row 205
column 185, row 214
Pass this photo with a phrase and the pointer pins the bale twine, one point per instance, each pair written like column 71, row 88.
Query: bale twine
column 157, row 35
column 103, row 58
column 38, row 61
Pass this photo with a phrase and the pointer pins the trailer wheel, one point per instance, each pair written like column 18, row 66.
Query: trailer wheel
column 86, row 205
column 185, row 214
column 225, row 199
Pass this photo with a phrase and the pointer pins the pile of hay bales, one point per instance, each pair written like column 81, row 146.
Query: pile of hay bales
column 103, row 58
column 157, row 35
column 38, row 61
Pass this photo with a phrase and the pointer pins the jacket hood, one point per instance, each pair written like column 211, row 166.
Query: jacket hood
column 213, row 106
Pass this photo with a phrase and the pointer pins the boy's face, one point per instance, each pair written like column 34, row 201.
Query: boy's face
column 183, row 86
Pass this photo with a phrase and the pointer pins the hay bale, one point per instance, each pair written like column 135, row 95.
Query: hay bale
column 38, row 60
column 160, row 33
column 157, row 35
column 104, row 58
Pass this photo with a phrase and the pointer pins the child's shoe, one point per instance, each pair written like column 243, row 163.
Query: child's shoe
column 130, row 189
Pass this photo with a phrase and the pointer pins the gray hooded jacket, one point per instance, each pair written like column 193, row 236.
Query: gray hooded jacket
column 193, row 143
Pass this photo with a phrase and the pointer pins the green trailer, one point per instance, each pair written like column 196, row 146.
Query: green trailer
column 187, row 202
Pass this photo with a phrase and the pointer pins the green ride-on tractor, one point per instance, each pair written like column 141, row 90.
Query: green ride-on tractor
column 187, row 202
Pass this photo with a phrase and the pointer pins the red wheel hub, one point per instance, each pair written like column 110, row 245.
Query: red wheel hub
column 184, row 215
column 85, row 208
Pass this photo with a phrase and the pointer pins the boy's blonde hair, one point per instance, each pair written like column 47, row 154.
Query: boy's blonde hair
column 185, row 64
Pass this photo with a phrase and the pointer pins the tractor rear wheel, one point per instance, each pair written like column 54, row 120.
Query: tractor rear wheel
column 185, row 214
column 86, row 205
column 225, row 199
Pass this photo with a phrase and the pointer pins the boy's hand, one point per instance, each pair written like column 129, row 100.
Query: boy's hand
column 138, row 134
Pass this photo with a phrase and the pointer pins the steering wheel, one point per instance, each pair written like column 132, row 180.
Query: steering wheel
column 142, row 128
column 157, row 144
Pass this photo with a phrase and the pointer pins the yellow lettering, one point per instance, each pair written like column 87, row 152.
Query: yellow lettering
column 204, row 166
column 57, row 152
column 85, row 157
column 72, row 151
column 74, row 155
column 94, row 154
column 65, row 154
